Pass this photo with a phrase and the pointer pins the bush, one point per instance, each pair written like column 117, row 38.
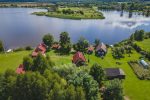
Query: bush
column 1, row 47
column 19, row 49
column 28, row 48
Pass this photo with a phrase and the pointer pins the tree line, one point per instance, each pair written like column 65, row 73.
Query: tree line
column 65, row 43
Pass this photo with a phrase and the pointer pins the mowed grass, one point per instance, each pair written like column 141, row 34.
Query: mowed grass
column 11, row 60
column 134, row 88
column 145, row 44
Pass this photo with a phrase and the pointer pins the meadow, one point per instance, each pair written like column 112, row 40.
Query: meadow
column 145, row 44
column 134, row 89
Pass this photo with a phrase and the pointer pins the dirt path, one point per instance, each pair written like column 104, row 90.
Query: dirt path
column 126, row 98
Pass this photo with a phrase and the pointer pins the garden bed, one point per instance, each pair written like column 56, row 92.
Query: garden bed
column 141, row 73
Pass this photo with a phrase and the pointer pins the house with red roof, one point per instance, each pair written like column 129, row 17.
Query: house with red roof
column 56, row 46
column 20, row 69
column 41, row 48
column 79, row 59
column 90, row 50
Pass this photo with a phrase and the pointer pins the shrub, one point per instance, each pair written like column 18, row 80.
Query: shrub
column 1, row 47
column 19, row 49
column 28, row 48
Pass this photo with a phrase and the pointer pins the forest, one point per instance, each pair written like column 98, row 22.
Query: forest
column 71, row 0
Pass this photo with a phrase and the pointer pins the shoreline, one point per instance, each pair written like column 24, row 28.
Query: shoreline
column 66, row 12
column 66, row 16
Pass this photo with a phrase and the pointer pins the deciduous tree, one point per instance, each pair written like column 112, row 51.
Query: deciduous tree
column 97, row 72
column 65, row 43
column 48, row 40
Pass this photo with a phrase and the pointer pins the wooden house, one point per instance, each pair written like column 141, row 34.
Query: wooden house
column 79, row 59
column 90, row 50
column 101, row 50
column 112, row 73
column 41, row 48
column 20, row 69
column 56, row 46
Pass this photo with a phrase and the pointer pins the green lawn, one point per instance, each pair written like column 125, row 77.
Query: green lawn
column 134, row 88
column 145, row 44
column 11, row 60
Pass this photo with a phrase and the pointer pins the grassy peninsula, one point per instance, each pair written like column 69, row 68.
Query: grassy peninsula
column 72, row 13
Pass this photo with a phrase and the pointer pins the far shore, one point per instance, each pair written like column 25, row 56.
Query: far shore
column 72, row 13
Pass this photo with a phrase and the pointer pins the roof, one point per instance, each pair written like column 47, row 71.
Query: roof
column 78, row 56
column 144, row 63
column 55, row 46
column 114, row 71
column 101, row 46
column 40, row 48
column 20, row 69
column 91, row 48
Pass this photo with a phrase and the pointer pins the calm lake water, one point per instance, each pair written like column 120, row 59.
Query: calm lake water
column 18, row 28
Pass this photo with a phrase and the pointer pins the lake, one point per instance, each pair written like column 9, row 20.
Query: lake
column 18, row 28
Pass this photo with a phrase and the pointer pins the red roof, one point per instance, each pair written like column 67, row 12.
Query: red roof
column 40, row 48
column 55, row 46
column 91, row 48
column 20, row 69
column 78, row 56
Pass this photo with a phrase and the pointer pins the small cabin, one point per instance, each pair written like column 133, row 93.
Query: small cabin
column 78, row 59
column 144, row 63
column 56, row 46
column 101, row 50
column 41, row 48
column 90, row 50
column 20, row 69
column 112, row 73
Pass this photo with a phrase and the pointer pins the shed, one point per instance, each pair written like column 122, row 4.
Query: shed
column 79, row 59
column 112, row 73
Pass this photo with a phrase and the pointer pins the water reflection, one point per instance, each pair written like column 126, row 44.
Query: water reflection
column 130, row 14
column 19, row 28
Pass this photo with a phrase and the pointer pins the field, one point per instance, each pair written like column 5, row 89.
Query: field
column 7, row 60
column 134, row 89
column 73, row 13
column 145, row 44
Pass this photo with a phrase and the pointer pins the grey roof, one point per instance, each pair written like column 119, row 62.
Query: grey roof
column 101, row 46
column 114, row 71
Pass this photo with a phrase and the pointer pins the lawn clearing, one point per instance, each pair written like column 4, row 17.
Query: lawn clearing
column 11, row 60
column 145, row 44
column 134, row 88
